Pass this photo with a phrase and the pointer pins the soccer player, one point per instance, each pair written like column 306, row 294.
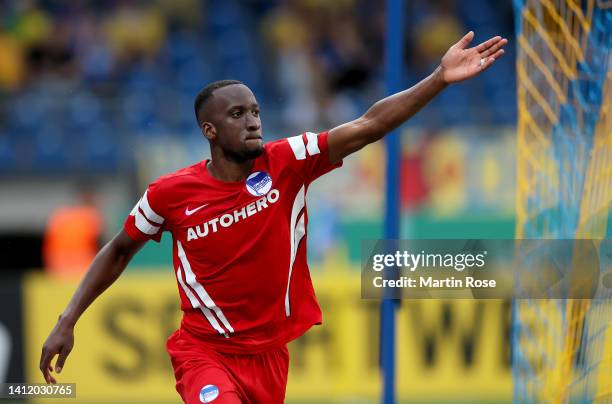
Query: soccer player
column 238, row 223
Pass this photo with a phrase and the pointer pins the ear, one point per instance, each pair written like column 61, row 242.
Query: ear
column 209, row 131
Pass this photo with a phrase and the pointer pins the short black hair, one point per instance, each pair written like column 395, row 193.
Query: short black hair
column 207, row 92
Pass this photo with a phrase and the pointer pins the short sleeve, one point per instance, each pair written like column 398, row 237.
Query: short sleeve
column 145, row 221
column 309, row 154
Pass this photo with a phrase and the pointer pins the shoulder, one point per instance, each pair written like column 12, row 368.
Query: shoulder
column 179, row 177
column 276, row 145
column 167, row 188
column 298, row 147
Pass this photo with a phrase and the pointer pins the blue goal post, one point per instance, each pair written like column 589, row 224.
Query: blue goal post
column 394, row 45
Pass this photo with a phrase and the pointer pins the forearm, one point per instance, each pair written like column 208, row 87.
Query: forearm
column 106, row 267
column 458, row 63
column 389, row 113
column 384, row 116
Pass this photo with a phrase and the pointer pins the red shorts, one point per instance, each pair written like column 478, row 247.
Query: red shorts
column 203, row 375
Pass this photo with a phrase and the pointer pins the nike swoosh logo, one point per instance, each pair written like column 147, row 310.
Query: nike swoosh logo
column 192, row 211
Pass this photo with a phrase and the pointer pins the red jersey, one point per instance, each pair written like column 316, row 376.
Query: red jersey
column 239, row 248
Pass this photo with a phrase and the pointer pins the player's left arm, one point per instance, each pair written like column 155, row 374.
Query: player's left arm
column 458, row 64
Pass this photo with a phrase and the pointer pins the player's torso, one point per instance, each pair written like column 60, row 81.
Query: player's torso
column 236, row 238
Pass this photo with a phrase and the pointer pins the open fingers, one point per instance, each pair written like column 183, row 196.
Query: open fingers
column 498, row 54
column 488, row 62
column 493, row 48
column 465, row 41
column 488, row 43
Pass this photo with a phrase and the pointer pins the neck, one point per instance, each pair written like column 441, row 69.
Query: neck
column 226, row 169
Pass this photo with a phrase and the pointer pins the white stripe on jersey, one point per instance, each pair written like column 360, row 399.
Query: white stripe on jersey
column 199, row 289
column 148, row 211
column 143, row 224
column 298, row 147
column 135, row 208
column 195, row 303
column 313, row 143
column 297, row 231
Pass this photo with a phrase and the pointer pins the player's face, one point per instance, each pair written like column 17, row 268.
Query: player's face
column 237, row 124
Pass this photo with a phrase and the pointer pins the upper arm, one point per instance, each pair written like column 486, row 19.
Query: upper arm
column 306, row 154
column 147, row 219
column 351, row 137
column 125, row 245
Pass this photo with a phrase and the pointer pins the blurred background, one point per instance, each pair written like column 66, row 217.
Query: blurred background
column 96, row 101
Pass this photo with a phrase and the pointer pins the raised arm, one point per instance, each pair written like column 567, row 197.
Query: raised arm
column 106, row 267
column 458, row 64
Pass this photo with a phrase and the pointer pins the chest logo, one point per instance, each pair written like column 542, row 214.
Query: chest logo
column 230, row 218
column 259, row 183
column 192, row 211
column 209, row 393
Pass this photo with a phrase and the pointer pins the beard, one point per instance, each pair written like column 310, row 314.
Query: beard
column 243, row 155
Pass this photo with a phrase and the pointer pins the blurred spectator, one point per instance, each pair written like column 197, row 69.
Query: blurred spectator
column 289, row 35
column 437, row 28
column 134, row 66
column 26, row 22
column 324, row 61
column 72, row 237
column 11, row 63
column 135, row 31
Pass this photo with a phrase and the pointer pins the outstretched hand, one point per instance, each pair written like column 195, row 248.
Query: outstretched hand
column 461, row 63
